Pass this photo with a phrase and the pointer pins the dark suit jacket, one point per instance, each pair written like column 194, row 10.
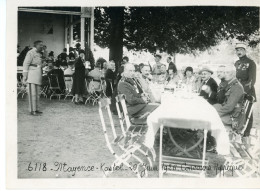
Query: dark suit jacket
column 212, row 99
column 214, row 87
column 134, row 101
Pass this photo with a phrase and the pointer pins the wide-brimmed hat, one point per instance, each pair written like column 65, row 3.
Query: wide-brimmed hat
column 206, row 69
column 240, row 45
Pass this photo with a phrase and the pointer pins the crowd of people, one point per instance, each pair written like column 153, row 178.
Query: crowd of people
column 135, row 80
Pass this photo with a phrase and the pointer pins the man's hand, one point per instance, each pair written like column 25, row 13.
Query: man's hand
column 145, row 98
column 249, row 85
column 25, row 76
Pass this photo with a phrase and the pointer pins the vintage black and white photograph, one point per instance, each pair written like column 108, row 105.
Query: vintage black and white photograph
column 138, row 92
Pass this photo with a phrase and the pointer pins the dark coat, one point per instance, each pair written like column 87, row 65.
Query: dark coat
column 221, row 91
column 214, row 87
column 246, row 74
column 60, row 75
column 172, row 66
column 79, row 83
column 234, row 96
column 134, row 101
column 110, row 77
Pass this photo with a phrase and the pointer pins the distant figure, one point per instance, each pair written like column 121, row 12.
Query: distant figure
column 172, row 78
column 51, row 55
column 63, row 57
column 163, row 75
column 157, row 65
column 59, row 72
column 125, row 60
column 71, row 54
column 110, row 77
column 189, row 79
column 22, row 55
column 79, row 83
column 171, row 64
column 69, row 71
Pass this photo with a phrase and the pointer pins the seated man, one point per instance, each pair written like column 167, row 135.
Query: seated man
column 223, row 84
column 137, row 103
column 208, row 83
column 234, row 96
column 59, row 72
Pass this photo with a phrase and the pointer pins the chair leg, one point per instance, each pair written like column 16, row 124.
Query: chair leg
column 160, row 152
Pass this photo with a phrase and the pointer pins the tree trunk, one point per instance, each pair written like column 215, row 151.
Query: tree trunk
column 116, row 33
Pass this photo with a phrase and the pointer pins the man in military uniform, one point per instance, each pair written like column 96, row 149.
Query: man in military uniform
column 246, row 74
column 223, row 84
column 234, row 96
column 32, row 74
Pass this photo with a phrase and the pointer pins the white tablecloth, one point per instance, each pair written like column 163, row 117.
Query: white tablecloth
column 189, row 113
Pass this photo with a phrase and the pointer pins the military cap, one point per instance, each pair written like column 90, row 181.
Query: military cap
column 240, row 45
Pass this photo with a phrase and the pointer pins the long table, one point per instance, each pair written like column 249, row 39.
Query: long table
column 192, row 112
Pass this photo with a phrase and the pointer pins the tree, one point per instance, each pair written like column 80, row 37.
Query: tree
column 178, row 29
column 110, row 29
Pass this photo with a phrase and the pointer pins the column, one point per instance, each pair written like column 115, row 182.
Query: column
column 82, row 32
column 71, row 31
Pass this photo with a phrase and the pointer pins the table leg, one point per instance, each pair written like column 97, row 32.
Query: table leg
column 160, row 154
column 204, row 150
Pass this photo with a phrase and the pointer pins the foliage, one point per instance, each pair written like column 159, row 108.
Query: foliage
column 180, row 29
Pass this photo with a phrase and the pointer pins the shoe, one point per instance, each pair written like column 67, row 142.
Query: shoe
column 39, row 112
column 34, row 113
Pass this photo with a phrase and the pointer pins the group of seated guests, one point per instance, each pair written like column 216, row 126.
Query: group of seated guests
column 227, row 97
column 73, row 75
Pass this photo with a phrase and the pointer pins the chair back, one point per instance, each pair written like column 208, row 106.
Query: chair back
column 123, row 116
column 68, row 82
column 53, row 81
column 104, row 104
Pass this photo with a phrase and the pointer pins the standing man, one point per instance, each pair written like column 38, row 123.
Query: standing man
column 32, row 74
column 171, row 65
column 246, row 74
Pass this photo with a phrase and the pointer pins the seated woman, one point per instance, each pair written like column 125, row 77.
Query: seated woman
column 188, row 78
column 172, row 78
column 96, row 74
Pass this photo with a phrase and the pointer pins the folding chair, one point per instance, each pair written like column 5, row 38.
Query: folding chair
column 125, row 143
column 68, row 83
column 54, row 86
column 247, row 157
column 95, row 93
column 136, row 127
